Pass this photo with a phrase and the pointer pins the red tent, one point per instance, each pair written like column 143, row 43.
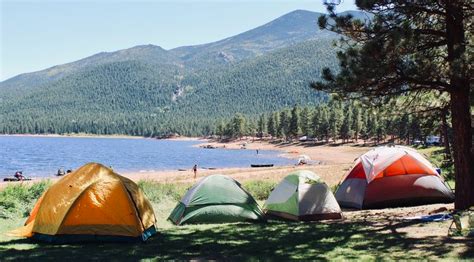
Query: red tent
column 392, row 176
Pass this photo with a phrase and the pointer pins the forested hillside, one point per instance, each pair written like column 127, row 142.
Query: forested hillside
column 150, row 91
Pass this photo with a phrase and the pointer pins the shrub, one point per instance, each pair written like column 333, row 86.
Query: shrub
column 259, row 189
column 18, row 199
column 438, row 158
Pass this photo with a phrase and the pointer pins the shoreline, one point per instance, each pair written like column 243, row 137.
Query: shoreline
column 331, row 174
column 84, row 135
column 332, row 163
column 71, row 136
column 328, row 161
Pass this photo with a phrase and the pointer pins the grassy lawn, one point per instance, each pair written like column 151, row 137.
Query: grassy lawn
column 275, row 240
column 361, row 239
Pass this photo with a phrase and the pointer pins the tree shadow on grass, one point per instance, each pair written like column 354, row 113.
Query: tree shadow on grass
column 276, row 241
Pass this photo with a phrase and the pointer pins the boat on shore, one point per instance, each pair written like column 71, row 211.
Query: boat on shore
column 209, row 147
column 261, row 165
column 14, row 179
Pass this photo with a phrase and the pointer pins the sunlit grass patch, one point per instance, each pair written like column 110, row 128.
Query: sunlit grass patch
column 16, row 200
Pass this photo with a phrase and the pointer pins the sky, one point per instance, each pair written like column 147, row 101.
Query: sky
column 37, row 34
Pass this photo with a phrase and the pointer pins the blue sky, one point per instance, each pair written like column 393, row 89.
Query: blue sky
column 38, row 34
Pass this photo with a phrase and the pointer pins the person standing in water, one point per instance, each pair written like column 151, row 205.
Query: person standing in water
column 195, row 169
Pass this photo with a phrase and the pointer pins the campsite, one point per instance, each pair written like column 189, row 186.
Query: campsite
column 362, row 234
column 273, row 130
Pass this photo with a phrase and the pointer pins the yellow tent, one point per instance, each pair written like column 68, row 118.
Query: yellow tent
column 92, row 203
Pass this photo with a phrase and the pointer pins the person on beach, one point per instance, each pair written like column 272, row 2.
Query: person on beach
column 19, row 175
column 195, row 169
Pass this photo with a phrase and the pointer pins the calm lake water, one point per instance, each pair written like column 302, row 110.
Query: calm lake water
column 42, row 156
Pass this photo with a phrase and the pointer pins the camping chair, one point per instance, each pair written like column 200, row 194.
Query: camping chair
column 463, row 223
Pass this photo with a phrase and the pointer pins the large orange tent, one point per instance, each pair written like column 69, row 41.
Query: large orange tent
column 392, row 176
column 91, row 204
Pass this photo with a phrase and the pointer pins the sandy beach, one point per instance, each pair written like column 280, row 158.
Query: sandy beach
column 326, row 154
column 331, row 163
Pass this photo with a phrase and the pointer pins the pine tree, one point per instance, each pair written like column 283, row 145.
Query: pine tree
column 261, row 128
column 293, row 130
column 372, row 125
column 356, row 122
column 271, row 125
column 276, row 119
column 305, row 124
column 284, row 125
column 237, row 126
column 364, row 131
column 324, row 126
column 335, row 120
column 250, row 127
column 316, row 122
column 411, row 47
column 380, row 130
column 414, row 129
column 220, row 129
column 403, row 128
column 345, row 131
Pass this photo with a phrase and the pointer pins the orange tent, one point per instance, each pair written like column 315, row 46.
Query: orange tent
column 92, row 203
column 392, row 176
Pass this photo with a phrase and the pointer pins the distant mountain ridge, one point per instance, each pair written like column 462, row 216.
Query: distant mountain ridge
column 292, row 28
column 268, row 67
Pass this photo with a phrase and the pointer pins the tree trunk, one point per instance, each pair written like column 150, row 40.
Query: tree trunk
column 460, row 107
column 463, row 155
column 444, row 130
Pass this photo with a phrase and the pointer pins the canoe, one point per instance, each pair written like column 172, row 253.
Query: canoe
column 13, row 179
column 210, row 168
column 261, row 165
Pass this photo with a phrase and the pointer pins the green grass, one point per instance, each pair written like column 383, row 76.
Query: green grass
column 259, row 189
column 275, row 240
column 436, row 156
column 18, row 199
column 157, row 192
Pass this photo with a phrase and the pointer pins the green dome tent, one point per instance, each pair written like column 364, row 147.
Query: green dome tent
column 216, row 199
column 302, row 196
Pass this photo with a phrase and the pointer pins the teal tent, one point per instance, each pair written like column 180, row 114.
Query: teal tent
column 216, row 199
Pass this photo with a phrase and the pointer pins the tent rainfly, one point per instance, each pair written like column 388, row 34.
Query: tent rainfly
column 90, row 204
column 390, row 177
column 216, row 199
column 302, row 196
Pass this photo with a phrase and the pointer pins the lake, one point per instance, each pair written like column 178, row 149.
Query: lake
column 43, row 156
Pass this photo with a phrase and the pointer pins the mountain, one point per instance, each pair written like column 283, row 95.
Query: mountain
column 145, row 53
column 294, row 27
column 147, row 89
